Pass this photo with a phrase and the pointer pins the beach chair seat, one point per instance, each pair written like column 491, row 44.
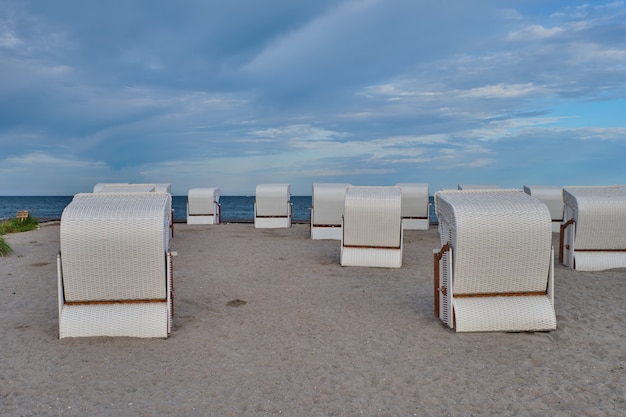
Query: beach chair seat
column 494, row 270
column 272, row 206
column 115, row 266
column 372, row 227
column 552, row 197
column 593, row 233
column 203, row 206
column 327, row 200
column 415, row 206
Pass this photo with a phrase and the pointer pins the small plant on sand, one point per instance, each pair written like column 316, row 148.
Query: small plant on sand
column 5, row 249
column 14, row 226
column 18, row 225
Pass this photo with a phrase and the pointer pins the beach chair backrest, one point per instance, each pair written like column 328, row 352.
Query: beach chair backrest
column 373, row 217
column 599, row 214
column 502, row 240
column 114, row 245
column 272, row 199
column 328, row 201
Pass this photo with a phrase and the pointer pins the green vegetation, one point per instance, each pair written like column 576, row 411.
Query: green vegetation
column 5, row 249
column 14, row 226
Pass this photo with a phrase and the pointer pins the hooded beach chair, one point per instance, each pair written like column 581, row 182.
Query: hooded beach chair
column 593, row 233
column 415, row 206
column 272, row 206
column 494, row 271
column 203, row 206
column 115, row 266
column 327, row 210
column 552, row 197
column 372, row 227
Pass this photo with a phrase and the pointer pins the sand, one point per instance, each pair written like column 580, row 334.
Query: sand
column 268, row 323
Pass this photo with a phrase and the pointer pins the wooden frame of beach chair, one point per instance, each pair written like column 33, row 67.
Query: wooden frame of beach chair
column 272, row 206
column 552, row 197
column 593, row 233
column 327, row 201
column 203, row 206
column 372, row 227
column 125, row 187
column 415, row 206
column 495, row 268
column 115, row 274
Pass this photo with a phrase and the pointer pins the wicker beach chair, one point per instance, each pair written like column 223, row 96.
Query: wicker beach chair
column 327, row 201
column 272, row 206
column 552, row 197
column 115, row 266
column 593, row 233
column 494, row 271
column 415, row 206
column 372, row 227
column 203, row 206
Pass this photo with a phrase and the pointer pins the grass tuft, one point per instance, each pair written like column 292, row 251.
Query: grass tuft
column 15, row 226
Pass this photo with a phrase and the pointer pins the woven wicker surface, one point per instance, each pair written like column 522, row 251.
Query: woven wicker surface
column 523, row 313
column 272, row 199
column 130, row 320
column 501, row 238
column 372, row 217
column 124, row 187
column 328, row 200
column 414, row 199
column 600, row 216
column 478, row 186
column 202, row 201
column 113, row 246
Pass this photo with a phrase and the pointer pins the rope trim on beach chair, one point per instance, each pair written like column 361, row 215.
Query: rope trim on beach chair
column 75, row 303
column 505, row 294
column 371, row 247
column 437, row 258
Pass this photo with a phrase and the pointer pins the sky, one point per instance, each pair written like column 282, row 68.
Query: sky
column 232, row 94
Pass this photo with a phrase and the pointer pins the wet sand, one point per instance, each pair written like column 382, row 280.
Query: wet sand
column 268, row 323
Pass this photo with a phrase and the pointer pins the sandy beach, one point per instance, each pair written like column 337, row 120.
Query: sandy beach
column 268, row 323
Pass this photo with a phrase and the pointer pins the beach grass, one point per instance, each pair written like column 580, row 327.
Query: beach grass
column 15, row 226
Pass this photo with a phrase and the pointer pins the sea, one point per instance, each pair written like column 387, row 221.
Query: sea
column 235, row 209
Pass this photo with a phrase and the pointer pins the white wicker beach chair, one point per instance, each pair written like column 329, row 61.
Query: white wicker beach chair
column 593, row 233
column 203, row 206
column 415, row 206
column 272, row 206
column 552, row 197
column 115, row 266
column 327, row 210
column 494, row 271
column 372, row 227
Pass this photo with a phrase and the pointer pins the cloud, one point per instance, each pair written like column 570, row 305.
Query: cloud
column 534, row 33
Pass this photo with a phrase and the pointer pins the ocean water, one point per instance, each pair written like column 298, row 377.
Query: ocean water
column 234, row 208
